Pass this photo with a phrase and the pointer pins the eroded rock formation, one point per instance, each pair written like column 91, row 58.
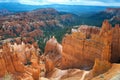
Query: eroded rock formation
column 20, row 60
column 79, row 51
column 84, row 45
column 89, row 30
column 100, row 67
column 53, row 50
column 86, row 48
column 115, row 56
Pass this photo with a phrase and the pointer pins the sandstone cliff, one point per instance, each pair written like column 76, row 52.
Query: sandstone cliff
column 82, row 47
column 115, row 56
column 53, row 50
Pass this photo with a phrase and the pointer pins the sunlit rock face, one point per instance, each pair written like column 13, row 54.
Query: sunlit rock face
column 82, row 50
column 10, row 61
column 69, row 54
column 53, row 51
column 86, row 48
column 115, row 56
column 115, row 42
column 20, row 60
column 89, row 30
column 83, row 46
column 100, row 67
column 111, row 74
column 24, row 51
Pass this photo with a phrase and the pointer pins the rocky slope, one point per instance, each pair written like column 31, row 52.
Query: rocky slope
column 85, row 54
column 35, row 24
column 112, row 14
column 81, row 49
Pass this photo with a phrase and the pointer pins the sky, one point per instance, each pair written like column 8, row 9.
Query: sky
column 68, row 2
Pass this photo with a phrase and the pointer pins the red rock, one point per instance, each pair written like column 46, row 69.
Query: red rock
column 11, row 61
column 3, row 69
column 49, row 66
column 106, row 26
column 111, row 74
column 53, row 51
column 78, row 51
column 100, row 67
column 6, row 53
column 81, row 53
column 115, row 55
column 89, row 30
column 19, row 67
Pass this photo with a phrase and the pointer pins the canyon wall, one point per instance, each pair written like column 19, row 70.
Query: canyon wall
column 115, row 55
column 84, row 45
column 82, row 50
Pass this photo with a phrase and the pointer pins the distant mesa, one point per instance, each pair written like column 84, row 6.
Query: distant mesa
column 112, row 9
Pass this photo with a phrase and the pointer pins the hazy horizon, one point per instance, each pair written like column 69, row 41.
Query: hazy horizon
column 67, row 2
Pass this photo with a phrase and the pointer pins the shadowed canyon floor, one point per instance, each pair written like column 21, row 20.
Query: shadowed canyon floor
column 88, row 53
